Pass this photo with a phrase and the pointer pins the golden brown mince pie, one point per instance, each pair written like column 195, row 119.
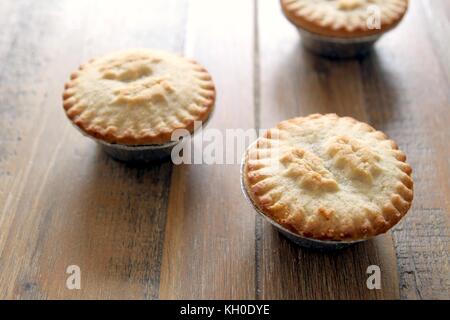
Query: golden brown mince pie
column 344, row 18
column 138, row 97
column 327, row 177
column 343, row 28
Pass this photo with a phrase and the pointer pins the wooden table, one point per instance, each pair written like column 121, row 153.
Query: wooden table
column 186, row 231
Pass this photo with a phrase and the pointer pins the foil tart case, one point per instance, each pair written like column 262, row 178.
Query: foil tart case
column 337, row 48
column 145, row 153
column 140, row 154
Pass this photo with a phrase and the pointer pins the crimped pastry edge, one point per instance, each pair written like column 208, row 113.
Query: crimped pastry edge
column 131, row 138
column 342, row 32
column 392, row 212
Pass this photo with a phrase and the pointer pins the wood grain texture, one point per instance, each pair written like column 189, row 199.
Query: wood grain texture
column 295, row 83
column 186, row 231
column 209, row 243
column 63, row 201
column 407, row 95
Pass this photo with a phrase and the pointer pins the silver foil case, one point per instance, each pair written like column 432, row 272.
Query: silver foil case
column 337, row 48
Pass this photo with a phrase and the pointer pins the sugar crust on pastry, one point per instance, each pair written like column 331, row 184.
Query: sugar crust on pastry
column 329, row 178
column 343, row 18
column 139, row 96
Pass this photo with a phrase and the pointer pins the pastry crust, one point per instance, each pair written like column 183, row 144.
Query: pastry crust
column 138, row 97
column 329, row 178
column 343, row 18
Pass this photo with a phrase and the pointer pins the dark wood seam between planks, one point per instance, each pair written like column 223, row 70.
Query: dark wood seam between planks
column 165, row 209
column 257, row 124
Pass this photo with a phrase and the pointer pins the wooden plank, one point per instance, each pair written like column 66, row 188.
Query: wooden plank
column 407, row 82
column 296, row 83
column 436, row 18
column 63, row 201
column 209, row 242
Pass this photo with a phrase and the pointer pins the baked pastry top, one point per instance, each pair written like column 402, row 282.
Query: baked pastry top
column 345, row 18
column 138, row 97
column 329, row 178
